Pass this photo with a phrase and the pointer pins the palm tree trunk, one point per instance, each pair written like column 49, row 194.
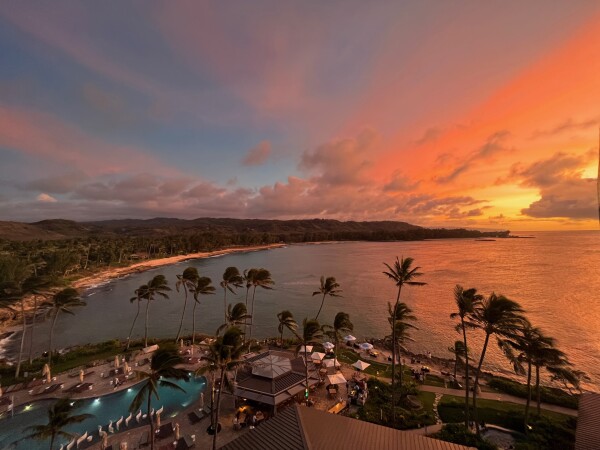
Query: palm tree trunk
column 394, row 357
column 182, row 315
column 194, row 324
column 146, row 325
column 151, row 421
column 322, row 302
column 251, row 320
column 32, row 329
column 282, row 337
column 306, row 372
column 537, row 390
column 133, row 325
column 225, row 304
column 52, row 441
column 401, row 374
column 528, row 403
column 464, row 330
column 246, row 320
column 22, row 339
column 476, row 383
column 216, row 429
column 51, row 335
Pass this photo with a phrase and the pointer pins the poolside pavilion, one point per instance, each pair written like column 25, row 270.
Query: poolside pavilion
column 273, row 378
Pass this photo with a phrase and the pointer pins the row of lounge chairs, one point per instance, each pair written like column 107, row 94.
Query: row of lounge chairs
column 200, row 414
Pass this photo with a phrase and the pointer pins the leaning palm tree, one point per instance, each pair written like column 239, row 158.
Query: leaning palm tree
column 236, row 315
column 162, row 367
column 231, row 279
column 223, row 355
column 262, row 278
column 466, row 301
column 328, row 287
column 157, row 286
column 341, row 324
column 400, row 326
column 36, row 305
column 62, row 301
column 203, row 287
column 521, row 347
column 141, row 293
column 546, row 357
column 401, row 273
column 248, row 278
column 187, row 280
column 312, row 333
column 496, row 315
column 59, row 417
column 286, row 320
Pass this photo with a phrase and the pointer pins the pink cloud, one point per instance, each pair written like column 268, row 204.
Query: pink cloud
column 258, row 155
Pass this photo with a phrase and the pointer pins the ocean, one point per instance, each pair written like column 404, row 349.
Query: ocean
column 554, row 275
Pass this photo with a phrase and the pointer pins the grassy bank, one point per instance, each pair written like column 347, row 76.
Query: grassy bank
column 553, row 396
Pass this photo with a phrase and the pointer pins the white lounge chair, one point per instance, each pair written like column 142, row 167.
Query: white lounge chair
column 82, row 438
column 71, row 444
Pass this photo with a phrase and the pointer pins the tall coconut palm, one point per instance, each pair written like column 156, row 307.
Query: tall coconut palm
column 248, row 278
column 236, row 315
column 341, row 324
column 466, row 301
column 223, row 355
column 521, row 347
column 329, row 286
column 496, row 315
column 400, row 326
column 401, row 273
column 156, row 286
column 231, row 279
column 36, row 305
column 187, row 280
column 59, row 417
column 141, row 293
column 62, row 301
column 286, row 320
column 162, row 371
column 458, row 350
column 546, row 357
column 262, row 278
column 312, row 333
column 203, row 287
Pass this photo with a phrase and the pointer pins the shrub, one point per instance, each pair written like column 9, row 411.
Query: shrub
column 547, row 394
column 458, row 434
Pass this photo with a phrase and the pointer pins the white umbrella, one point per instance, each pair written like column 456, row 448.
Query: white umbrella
column 81, row 375
column 104, row 441
column 181, row 343
column 350, row 338
column 116, row 361
column 176, row 431
column 157, row 421
column 328, row 346
column 366, row 346
column 338, row 378
column 360, row 365
column 331, row 362
column 126, row 368
column 0, row 390
column 318, row 355
column 46, row 371
column 308, row 349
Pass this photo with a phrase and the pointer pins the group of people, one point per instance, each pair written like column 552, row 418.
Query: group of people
column 249, row 420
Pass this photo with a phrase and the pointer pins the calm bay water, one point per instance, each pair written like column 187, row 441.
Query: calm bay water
column 555, row 276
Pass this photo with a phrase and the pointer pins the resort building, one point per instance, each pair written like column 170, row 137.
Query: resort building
column 273, row 378
column 587, row 436
column 303, row 428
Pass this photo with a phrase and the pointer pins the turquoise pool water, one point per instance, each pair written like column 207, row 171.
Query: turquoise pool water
column 106, row 408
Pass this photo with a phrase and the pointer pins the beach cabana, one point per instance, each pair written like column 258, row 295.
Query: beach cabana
column 366, row 346
column 328, row 346
column 337, row 378
column 309, row 349
column 349, row 338
column 317, row 356
column 360, row 365
column 331, row 362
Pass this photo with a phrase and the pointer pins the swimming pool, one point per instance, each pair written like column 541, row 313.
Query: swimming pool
column 106, row 408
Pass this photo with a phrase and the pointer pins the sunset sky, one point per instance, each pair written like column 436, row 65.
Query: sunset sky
column 439, row 113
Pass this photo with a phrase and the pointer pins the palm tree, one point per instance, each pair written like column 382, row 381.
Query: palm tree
column 401, row 273
column 458, row 350
column 286, row 320
column 328, row 287
column 526, row 340
column 59, row 417
column 236, row 315
column 262, row 278
column 341, row 324
column 34, row 315
column 141, row 293
column 312, row 333
column 188, row 280
column 223, row 355
column 157, row 286
column 162, row 367
column 400, row 326
column 466, row 301
column 495, row 315
column 549, row 357
column 248, row 278
column 231, row 279
column 203, row 287
column 63, row 301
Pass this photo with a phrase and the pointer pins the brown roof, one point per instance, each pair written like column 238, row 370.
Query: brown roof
column 302, row 428
column 587, row 436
